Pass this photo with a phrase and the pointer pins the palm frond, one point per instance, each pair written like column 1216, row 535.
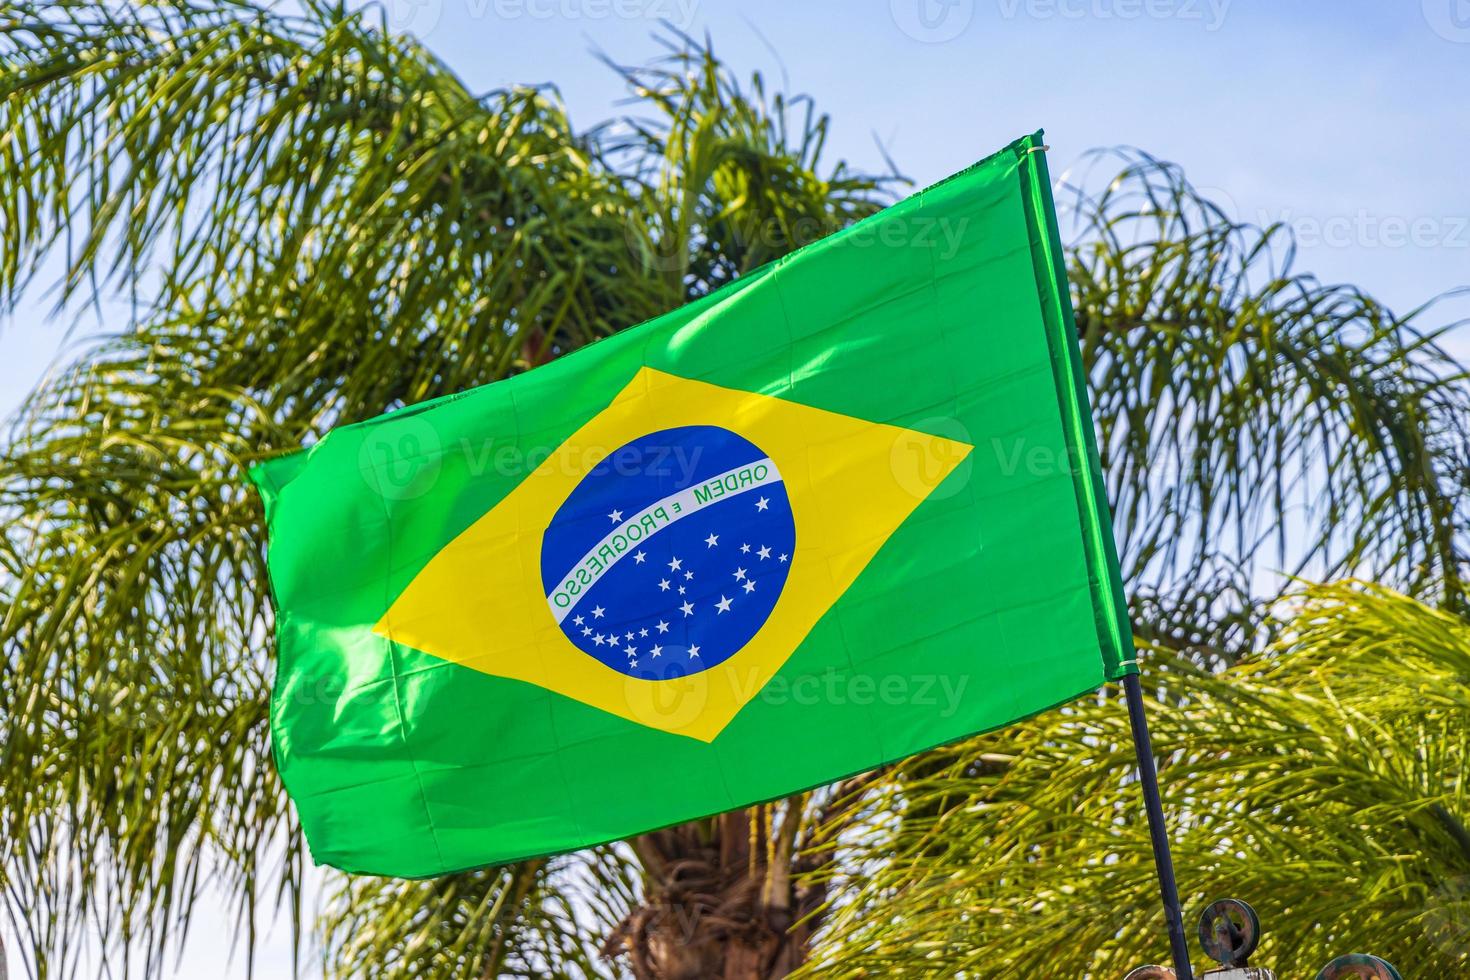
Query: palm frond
column 338, row 228
column 529, row 920
column 1323, row 782
column 1251, row 417
column 730, row 176
column 319, row 222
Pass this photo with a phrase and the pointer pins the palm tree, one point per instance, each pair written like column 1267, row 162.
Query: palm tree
column 1323, row 781
column 1312, row 741
column 1249, row 420
column 320, row 223
column 332, row 226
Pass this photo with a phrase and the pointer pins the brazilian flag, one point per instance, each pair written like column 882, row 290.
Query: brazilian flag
column 842, row 510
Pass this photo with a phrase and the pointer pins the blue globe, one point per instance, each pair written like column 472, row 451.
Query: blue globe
column 670, row 555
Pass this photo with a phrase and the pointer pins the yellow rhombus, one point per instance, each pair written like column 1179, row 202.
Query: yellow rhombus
column 479, row 602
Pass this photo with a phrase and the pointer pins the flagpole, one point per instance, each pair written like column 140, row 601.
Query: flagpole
column 1148, row 778
column 1063, row 337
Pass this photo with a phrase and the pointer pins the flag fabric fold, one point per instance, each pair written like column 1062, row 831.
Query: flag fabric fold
column 842, row 510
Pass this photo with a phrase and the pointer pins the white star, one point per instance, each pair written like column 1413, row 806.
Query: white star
column 577, row 621
column 643, row 632
column 749, row 585
column 723, row 605
column 597, row 639
column 663, row 585
column 745, row 549
column 765, row 552
column 663, row 627
column 694, row 650
column 657, row 650
column 615, row 516
column 629, row 635
column 712, row 540
column 586, row 631
column 638, row 557
column 739, row 574
column 687, row 609
column 688, row 576
column 761, row 503
column 782, row 559
column 675, row 565
column 630, row 649
column 632, row 661
column 597, row 612
column 681, row 590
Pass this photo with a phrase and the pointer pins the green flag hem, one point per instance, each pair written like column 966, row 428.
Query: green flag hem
column 1115, row 634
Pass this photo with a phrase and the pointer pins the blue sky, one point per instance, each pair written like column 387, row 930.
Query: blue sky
column 1344, row 118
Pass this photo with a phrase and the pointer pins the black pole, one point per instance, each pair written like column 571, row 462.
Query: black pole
column 1148, row 778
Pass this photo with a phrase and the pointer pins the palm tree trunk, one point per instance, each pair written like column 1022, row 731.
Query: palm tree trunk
column 722, row 898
